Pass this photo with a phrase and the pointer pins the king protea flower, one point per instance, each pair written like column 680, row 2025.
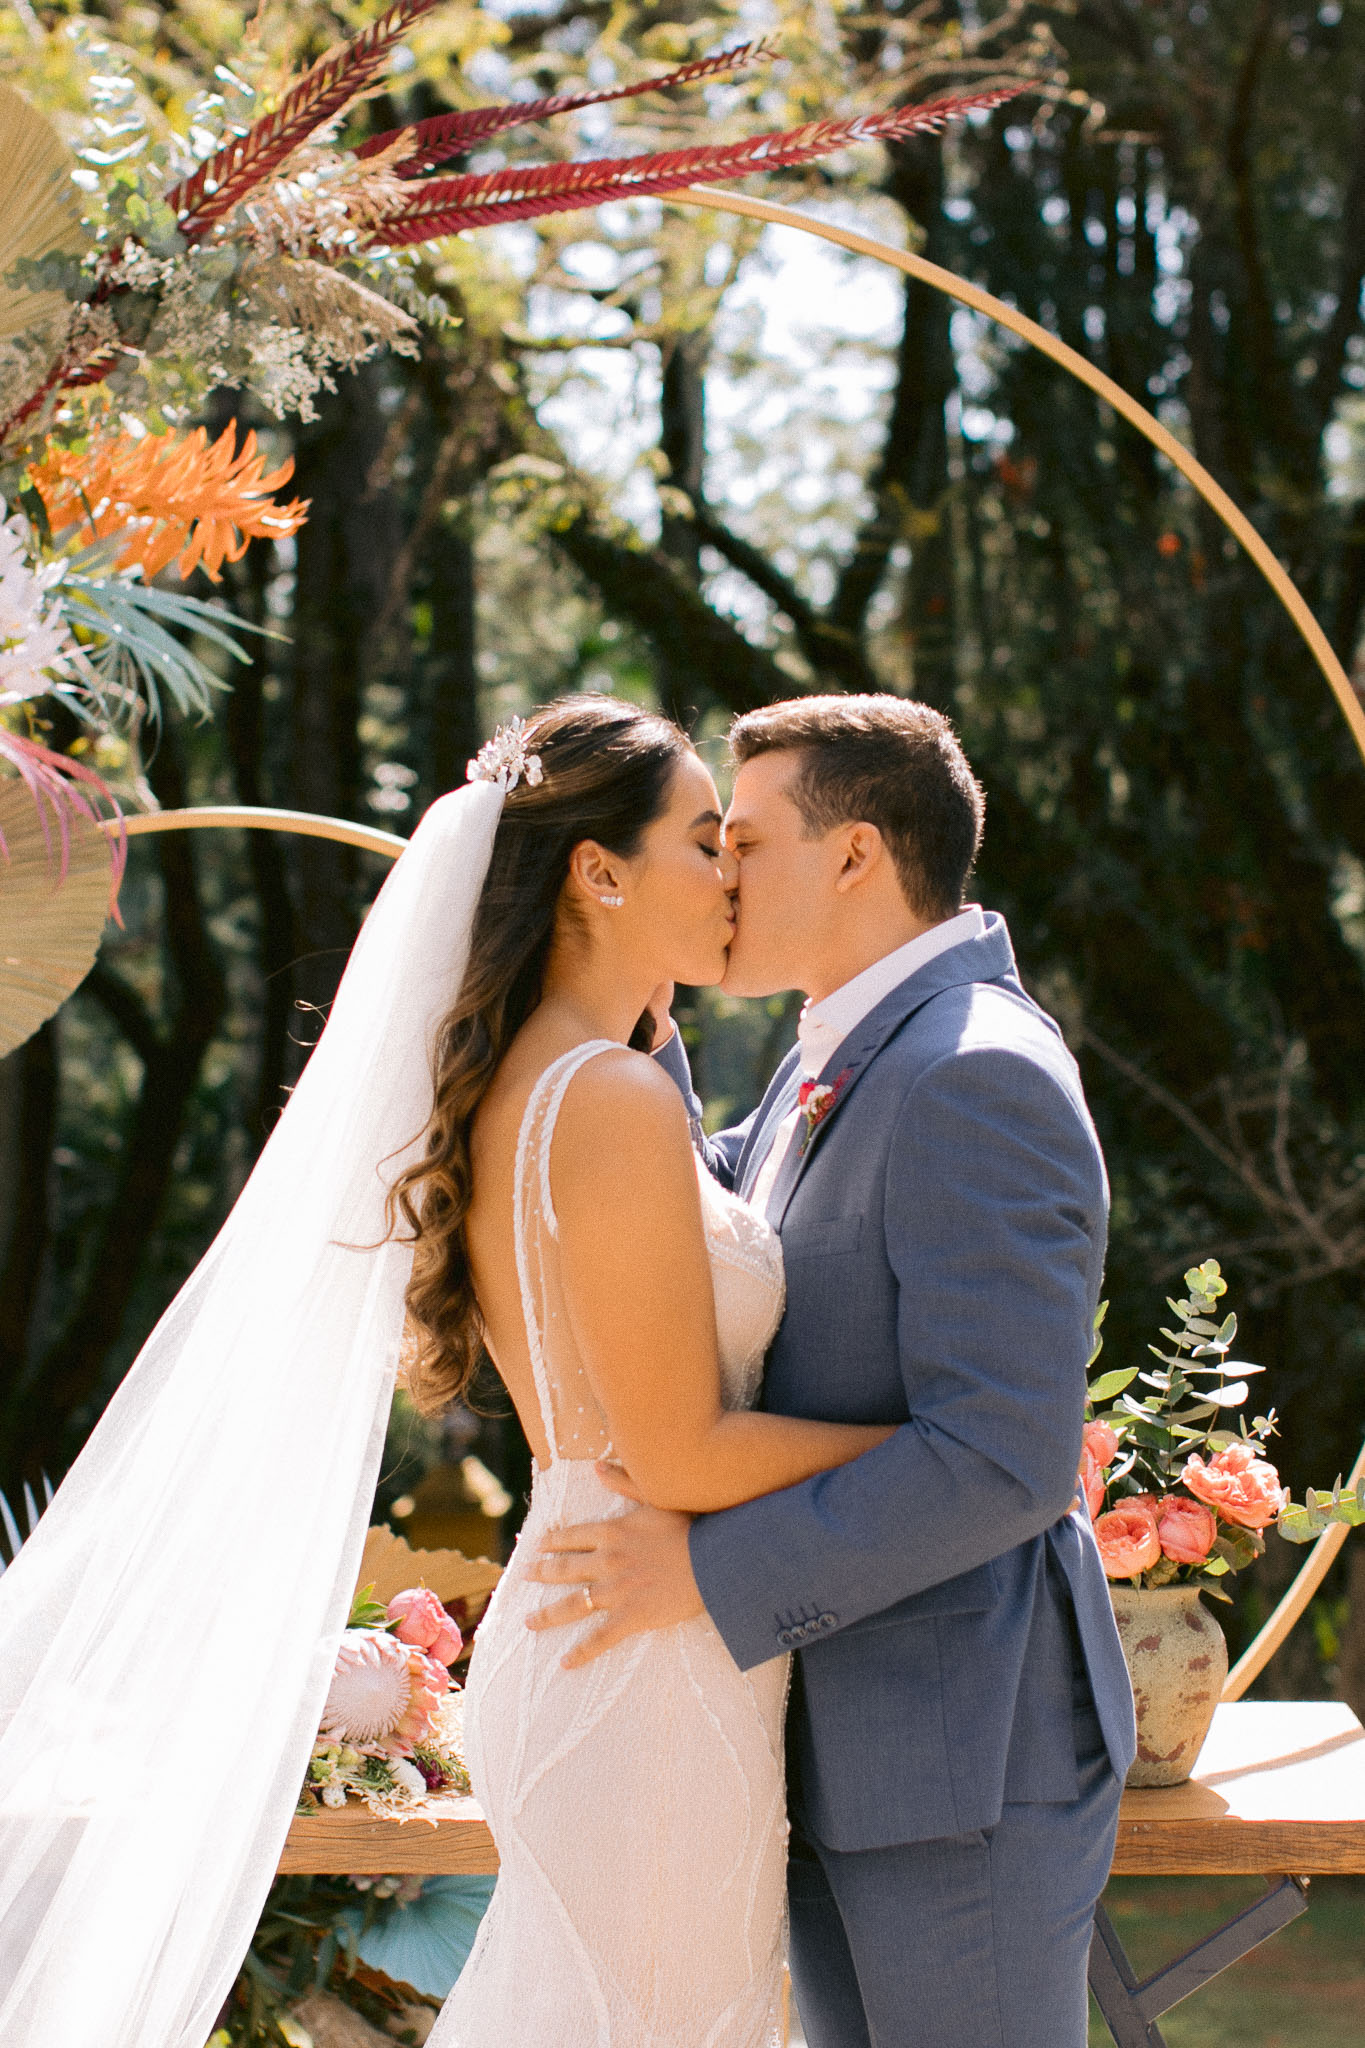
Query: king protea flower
column 384, row 1694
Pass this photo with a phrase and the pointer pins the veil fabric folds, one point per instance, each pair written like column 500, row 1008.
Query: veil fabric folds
column 168, row 1633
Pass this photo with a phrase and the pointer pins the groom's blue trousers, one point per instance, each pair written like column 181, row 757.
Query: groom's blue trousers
column 970, row 1941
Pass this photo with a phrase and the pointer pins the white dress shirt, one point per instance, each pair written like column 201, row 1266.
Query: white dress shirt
column 825, row 1025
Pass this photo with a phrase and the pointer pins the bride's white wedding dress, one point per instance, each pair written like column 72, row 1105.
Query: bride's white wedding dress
column 637, row 1804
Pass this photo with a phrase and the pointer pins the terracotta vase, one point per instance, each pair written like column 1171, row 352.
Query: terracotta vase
column 1177, row 1659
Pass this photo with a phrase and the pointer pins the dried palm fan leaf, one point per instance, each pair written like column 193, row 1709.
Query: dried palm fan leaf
column 390, row 1566
column 50, row 926
column 39, row 209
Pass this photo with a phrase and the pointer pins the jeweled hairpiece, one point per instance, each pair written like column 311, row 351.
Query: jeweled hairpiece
column 504, row 759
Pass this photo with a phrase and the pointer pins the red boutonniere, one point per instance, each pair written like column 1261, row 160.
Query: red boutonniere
column 816, row 1099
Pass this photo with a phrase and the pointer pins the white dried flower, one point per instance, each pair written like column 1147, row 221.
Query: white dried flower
column 33, row 634
column 409, row 1778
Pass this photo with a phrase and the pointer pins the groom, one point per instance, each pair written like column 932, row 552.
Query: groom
column 961, row 1719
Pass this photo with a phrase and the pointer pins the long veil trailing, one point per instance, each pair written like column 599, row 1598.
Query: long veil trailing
column 168, row 1633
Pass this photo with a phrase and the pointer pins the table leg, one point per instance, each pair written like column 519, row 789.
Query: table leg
column 1131, row 2009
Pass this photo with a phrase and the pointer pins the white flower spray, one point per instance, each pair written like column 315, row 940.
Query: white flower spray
column 33, row 635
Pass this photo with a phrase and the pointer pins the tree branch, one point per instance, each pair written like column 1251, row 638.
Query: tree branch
column 73, row 1372
column 1273, row 393
column 832, row 650
column 644, row 589
column 125, row 1008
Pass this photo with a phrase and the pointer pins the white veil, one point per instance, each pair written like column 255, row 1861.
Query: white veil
column 167, row 1635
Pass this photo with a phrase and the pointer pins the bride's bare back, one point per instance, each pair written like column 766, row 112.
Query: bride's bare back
column 633, row 1283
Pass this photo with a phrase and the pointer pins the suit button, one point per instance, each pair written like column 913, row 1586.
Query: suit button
column 785, row 1638
column 829, row 1621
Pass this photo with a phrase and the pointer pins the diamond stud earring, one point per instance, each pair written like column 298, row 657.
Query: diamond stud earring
column 612, row 902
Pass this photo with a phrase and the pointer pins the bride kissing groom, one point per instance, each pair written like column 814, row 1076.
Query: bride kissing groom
column 805, row 1402
column 960, row 1718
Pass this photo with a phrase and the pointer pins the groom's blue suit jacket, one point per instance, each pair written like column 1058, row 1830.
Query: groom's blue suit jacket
column 943, row 1229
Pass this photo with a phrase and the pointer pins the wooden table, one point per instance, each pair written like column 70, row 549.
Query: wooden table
column 1278, row 1792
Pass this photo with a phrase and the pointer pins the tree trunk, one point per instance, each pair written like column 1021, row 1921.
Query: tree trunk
column 346, row 554
column 451, row 667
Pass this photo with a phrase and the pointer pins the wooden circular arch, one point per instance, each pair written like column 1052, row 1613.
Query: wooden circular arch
column 1079, row 366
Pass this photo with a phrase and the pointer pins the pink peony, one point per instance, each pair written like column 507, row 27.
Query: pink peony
column 422, row 1621
column 384, row 1693
column 1102, row 1443
column 1187, row 1529
column 1242, row 1487
column 1128, row 1539
column 1091, row 1482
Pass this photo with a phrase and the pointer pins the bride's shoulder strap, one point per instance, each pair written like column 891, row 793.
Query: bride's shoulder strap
column 542, row 1114
column 533, row 1208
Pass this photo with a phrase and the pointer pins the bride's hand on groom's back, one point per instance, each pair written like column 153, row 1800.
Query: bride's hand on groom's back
column 637, row 1568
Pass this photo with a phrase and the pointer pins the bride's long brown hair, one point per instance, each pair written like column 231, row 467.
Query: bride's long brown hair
column 607, row 767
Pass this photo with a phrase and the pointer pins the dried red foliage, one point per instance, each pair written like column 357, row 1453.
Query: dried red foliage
column 447, row 135
column 211, row 191
column 443, row 206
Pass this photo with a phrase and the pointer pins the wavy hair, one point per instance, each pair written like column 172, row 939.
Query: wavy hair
column 607, row 770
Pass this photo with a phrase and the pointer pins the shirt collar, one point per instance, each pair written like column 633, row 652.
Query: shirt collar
column 825, row 1025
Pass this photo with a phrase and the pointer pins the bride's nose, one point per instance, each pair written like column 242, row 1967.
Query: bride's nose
column 729, row 870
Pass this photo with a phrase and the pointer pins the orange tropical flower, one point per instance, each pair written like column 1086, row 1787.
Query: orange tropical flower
column 170, row 495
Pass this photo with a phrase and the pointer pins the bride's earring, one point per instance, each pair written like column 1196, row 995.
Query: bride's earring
column 612, row 902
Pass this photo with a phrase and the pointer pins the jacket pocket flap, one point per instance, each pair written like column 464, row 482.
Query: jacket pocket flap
column 826, row 1238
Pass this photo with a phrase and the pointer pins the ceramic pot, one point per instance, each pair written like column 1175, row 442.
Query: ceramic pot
column 1177, row 1659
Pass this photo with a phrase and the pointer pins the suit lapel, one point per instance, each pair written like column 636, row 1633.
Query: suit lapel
column 989, row 958
column 778, row 1099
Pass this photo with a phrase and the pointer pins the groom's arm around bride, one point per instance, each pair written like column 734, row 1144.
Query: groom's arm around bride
column 961, row 1718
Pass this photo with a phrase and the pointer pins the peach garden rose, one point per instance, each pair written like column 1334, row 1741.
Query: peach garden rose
column 1092, row 1482
column 1128, row 1539
column 1187, row 1529
column 1100, row 1439
column 1243, row 1488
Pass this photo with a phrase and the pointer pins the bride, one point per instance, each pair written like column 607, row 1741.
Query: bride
column 562, row 1218
column 168, row 1633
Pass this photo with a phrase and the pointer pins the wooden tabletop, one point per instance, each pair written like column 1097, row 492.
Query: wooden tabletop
column 351, row 1842
column 1279, row 1787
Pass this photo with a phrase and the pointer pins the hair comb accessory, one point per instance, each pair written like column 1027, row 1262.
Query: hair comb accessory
column 504, row 759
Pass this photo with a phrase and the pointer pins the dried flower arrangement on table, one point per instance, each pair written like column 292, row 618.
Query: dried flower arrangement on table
column 390, row 1732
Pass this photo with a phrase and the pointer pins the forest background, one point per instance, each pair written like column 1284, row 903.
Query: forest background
column 701, row 464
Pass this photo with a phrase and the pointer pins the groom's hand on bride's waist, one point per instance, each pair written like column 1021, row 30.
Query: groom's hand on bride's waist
column 636, row 1568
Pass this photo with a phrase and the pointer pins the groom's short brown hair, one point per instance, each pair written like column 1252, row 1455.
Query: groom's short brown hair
column 886, row 761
